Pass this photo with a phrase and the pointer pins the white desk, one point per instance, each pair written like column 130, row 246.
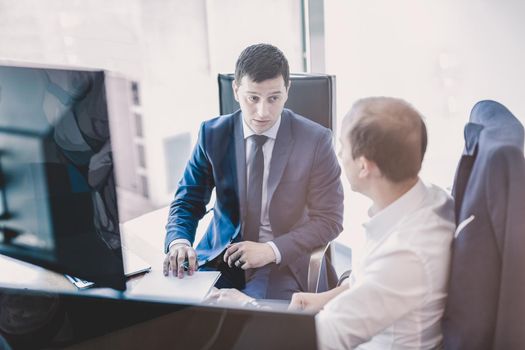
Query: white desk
column 178, row 326
column 143, row 235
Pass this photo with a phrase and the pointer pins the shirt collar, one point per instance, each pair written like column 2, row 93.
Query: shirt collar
column 384, row 220
column 270, row 133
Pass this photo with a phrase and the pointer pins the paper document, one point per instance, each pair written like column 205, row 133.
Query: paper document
column 191, row 289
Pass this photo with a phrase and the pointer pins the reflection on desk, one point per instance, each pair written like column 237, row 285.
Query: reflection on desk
column 91, row 322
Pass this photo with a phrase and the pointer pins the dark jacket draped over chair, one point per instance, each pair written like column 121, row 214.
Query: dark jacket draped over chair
column 486, row 300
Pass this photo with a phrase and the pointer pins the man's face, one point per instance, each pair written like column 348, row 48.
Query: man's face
column 261, row 103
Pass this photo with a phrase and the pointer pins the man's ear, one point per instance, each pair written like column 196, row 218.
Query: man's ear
column 362, row 166
column 235, row 89
column 287, row 90
column 367, row 167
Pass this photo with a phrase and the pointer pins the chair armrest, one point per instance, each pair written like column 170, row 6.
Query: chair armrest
column 315, row 267
column 344, row 276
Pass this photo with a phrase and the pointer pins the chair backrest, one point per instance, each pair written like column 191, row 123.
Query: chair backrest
column 310, row 95
column 486, row 298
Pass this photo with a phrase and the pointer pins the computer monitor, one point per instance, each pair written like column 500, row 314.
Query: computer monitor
column 58, row 203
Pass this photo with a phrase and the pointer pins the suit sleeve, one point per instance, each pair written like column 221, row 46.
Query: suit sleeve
column 324, row 204
column 192, row 196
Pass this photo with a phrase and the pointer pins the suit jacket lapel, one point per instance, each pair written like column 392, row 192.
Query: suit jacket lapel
column 240, row 163
column 472, row 133
column 281, row 152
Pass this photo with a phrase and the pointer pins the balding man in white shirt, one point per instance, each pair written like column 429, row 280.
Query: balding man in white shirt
column 394, row 299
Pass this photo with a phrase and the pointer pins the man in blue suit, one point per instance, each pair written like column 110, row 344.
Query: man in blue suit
column 277, row 183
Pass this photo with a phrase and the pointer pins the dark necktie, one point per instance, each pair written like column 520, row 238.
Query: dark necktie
column 254, row 193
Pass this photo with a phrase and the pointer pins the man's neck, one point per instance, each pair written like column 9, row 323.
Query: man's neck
column 385, row 192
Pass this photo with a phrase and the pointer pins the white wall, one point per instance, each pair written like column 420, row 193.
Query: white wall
column 174, row 48
column 442, row 56
column 100, row 34
column 187, row 43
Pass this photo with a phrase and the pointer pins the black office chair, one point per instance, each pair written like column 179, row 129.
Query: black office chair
column 312, row 96
column 486, row 297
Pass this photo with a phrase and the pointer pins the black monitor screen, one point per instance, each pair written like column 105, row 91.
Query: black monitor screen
column 58, row 204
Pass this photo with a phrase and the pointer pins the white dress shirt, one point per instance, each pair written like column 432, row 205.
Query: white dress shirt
column 265, row 233
column 396, row 296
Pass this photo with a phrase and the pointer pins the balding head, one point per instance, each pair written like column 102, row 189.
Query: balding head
column 389, row 132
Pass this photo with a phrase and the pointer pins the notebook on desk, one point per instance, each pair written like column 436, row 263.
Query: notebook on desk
column 133, row 265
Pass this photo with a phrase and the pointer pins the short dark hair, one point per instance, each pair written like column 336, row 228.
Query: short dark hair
column 389, row 132
column 261, row 62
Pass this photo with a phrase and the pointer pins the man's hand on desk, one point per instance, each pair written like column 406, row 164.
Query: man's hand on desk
column 175, row 261
column 311, row 302
column 314, row 302
column 249, row 255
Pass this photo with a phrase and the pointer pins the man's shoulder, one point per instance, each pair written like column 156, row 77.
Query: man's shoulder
column 221, row 121
column 214, row 132
column 435, row 205
column 432, row 221
column 303, row 124
column 440, row 202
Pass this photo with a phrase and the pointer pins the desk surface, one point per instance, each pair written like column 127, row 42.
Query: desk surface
column 143, row 235
column 128, row 324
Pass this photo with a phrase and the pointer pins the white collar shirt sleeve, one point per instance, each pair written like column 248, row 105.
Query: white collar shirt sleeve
column 397, row 292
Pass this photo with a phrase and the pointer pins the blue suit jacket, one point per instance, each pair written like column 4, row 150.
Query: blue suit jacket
column 486, row 299
column 304, row 189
